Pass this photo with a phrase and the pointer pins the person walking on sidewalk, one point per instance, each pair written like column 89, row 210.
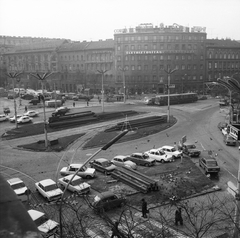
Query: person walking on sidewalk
column 25, row 108
column 178, row 217
column 144, row 208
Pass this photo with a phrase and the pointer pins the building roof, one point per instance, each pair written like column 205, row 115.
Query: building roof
column 96, row 45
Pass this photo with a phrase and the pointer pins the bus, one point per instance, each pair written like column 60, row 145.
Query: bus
column 162, row 100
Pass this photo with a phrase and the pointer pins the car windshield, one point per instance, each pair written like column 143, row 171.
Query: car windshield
column 144, row 156
column 40, row 220
column 76, row 182
column 173, row 150
column 106, row 163
column 51, row 187
column 212, row 163
column 17, row 186
column 161, row 152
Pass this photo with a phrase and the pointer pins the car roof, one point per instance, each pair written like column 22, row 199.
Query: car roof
column 34, row 214
column 70, row 176
column 76, row 165
column 14, row 181
column 207, row 156
column 101, row 160
column 137, row 153
column 120, row 156
column 167, row 147
column 47, row 182
column 155, row 150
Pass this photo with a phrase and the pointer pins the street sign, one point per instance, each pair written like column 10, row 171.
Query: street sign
column 172, row 86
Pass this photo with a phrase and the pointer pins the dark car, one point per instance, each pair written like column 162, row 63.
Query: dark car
column 103, row 165
column 107, row 201
column 190, row 150
column 209, row 164
column 222, row 125
column 141, row 159
column 6, row 110
column 61, row 111
column 228, row 140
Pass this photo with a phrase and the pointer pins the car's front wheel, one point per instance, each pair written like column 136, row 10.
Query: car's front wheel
column 162, row 161
column 88, row 177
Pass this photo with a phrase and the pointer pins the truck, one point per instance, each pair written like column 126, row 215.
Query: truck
column 52, row 103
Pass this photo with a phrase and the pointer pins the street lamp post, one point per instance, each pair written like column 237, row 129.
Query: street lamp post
column 20, row 101
column 169, row 72
column 182, row 81
column 102, row 72
column 43, row 77
column 14, row 76
column 105, row 147
column 124, row 82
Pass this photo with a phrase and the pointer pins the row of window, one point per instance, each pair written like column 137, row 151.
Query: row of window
column 233, row 55
column 224, row 65
column 160, row 47
column 162, row 38
column 158, row 57
column 157, row 79
column 161, row 67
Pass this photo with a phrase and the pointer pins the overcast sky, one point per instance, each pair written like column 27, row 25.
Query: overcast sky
column 97, row 19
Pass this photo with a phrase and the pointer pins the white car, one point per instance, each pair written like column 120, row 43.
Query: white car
column 19, row 188
column 46, row 226
column 159, row 155
column 122, row 161
column 31, row 113
column 84, row 172
column 76, row 186
column 224, row 131
column 3, row 118
column 170, row 150
column 24, row 119
column 49, row 189
column 12, row 119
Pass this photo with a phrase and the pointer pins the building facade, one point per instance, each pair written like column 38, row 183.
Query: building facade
column 137, row 60
column 145, row 53
column 222, row 59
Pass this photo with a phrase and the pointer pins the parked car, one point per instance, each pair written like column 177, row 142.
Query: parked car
column 19, row 187
column 209, row 164
column 190, row 150
column 84, row 172
column 61, row 111
column 6, row 110
column 49, row 189
column 222, row 125
column 159, row 155
column 24, row 119
column 228, row 140
column 46, row 226
column 12, row 119
column 3, row 118
column 170, row 150
column 107, row 201
column 142, row 159
column 76, row 185
column 103, row 165
column 31, row 113
column 122, row 161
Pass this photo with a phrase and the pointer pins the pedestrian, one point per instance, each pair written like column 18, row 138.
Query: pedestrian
column 73, row 104
column 115, row 231
column 87, row 102
column 178, row 217
column 25, row 108
column 144, row 208
column 99, row 100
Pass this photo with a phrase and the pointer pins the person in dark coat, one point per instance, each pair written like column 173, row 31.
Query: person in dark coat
column 178, row 217
column 25, row 108
column 144, row 208
column 115, row 231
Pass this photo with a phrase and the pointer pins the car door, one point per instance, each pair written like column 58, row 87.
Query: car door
column 99, row 166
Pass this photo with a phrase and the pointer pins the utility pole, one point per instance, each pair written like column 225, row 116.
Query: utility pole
column 102, row 72
column 43, row 77
column 14, row 76
column 169, row 72
column 124, row 82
